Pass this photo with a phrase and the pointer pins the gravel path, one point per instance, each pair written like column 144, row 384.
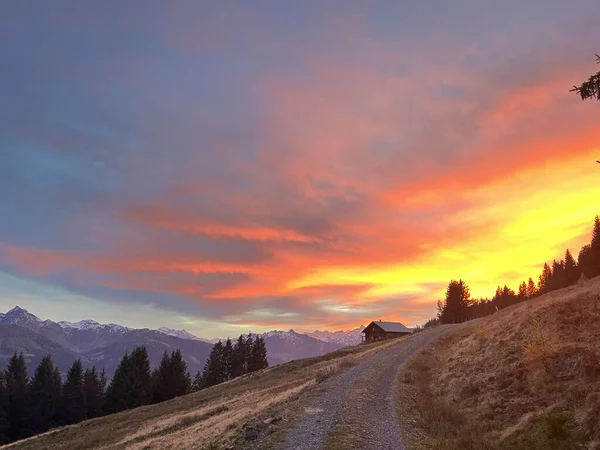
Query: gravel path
column 356, row 409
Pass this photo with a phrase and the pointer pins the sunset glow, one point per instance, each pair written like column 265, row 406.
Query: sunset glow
column 238, row 170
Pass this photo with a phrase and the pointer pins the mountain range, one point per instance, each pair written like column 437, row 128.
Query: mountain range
column 103, row 345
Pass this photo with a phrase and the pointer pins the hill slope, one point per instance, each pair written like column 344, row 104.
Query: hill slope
column 215, row 418
column 527, row 377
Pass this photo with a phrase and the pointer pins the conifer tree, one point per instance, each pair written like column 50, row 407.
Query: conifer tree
column 259, row 355
column 45, row 391
column 587, row 261
column 140, row 380
column 455, row 308
column 103, row 381
column 213, row 368
column 18, row 401
column 180, row 378
column 117, row 396
column 248, row 354
column 198, row 383
column 522, row 295
column 591, row 87
column 595, row 247
column 73, row 408
column 238, row 364
column 531, row 289
column 545, row 282
column 160, row 379
column 94, row 392
column 228, row 357
column 3, row 409
column 558, row 279
column 572, row 271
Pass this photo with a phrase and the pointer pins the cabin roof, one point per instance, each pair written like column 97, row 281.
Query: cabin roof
column 393, row 327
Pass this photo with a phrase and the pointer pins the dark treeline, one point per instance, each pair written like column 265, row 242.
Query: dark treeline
column 228, row 361
column 33, row 406
column 458, row 306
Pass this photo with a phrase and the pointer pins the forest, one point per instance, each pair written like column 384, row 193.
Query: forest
column 29, row 406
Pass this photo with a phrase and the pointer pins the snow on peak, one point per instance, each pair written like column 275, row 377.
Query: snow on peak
column 81, row 325
column 19, row 316
column 183, row 334
column 93, row 325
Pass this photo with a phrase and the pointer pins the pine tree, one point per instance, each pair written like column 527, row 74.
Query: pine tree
column 45, row 391
column 93, row 388
column 140, row 378
column 228, row 358
column 522, row 295
column 102, row 385
column 457, row 302
column 558, row 279
column 531, row 289
column 595, row 243
column 248, row 356
column 160, row 380
column 545, row 282
column 118, row 394
column 73, row 408
column 213, row 368
column 587, row 261
column 18, row 400
column 259, row 355
column 572, row 271
column 3, row 409
column 180, row 378
column 198, row 383
column 238, row 363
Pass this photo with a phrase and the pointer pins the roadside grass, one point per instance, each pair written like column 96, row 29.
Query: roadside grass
column 213, row 418
column 525, row 378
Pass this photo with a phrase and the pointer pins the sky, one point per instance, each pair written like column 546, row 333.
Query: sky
column 238, row 166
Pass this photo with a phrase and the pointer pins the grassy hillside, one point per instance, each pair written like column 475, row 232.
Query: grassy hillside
column 527, row 377
column 214, row 418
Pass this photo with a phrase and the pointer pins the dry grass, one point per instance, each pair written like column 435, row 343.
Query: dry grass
column 214, row 418
column 527, row 377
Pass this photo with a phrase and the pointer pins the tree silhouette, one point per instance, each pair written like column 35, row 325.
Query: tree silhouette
column 17, row 392
column 228, row 357
column 591, row 87
column 238, row 362
column 456, row 304
column 531, row 289
column 198, row 383
column 572, row 271
column 140, row 380
column 45, row 395
column 180, row 378
column 73, row 407
column 259, row 355
column 117, row 394
column 3, row 408
column 93, row 387
column 545, row 282
column 213, row 368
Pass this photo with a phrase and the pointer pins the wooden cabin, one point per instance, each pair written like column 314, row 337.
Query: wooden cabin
column 381, row 331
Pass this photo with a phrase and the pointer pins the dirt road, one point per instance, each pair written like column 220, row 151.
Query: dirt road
column 356, row 409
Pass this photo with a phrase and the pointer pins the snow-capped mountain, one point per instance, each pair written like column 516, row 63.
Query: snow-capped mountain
column 350, row 337
column 102, row 345
column 93, row 325
column 183, row 334
column 19, row 316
